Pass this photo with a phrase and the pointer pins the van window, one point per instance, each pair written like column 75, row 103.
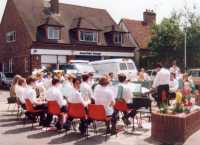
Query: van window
column 123, row 66
column 130, row 66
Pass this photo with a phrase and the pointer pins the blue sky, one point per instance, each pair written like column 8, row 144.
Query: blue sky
column 132, row 9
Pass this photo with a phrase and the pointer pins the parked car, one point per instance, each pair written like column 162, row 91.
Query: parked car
column 195, row 74
column 5, row 80
column 116, row 66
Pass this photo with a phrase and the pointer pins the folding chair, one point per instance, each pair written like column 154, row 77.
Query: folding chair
column 98, row 113
column 32, row 111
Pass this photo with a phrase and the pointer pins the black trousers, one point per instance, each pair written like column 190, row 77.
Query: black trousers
column 50, row 116
column 160, row 99
column 44, row 109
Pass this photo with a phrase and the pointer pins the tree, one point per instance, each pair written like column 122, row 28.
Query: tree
column 167, row 39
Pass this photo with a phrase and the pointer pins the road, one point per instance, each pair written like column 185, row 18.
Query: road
column 13, row 132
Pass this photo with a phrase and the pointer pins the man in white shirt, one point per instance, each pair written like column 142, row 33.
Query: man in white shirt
column 85, row 88
column 161, row 83
column 54, row 94
column 104, row 96
column 30, row 94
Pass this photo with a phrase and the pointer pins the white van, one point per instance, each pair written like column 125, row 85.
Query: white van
column 116, row 66
column 82, row 66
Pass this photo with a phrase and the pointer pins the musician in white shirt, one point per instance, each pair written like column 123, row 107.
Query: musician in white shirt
column 161, row 83
column 104, row 96
column 125, row 93
column 85, row 88
column 54, row 94
column 20, row 90
column 30, row 94
column 67, row 86
column 75, row 96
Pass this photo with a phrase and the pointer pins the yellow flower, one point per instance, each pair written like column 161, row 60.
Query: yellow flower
column 179, row 97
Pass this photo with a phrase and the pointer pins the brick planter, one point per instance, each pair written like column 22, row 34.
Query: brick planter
column 172, row 129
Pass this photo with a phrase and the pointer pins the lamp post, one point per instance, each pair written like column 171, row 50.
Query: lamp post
column 185, row 49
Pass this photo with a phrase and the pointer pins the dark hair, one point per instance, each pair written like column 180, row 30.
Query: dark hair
column 104, row 81
column 55, row 81
column 49, row 73
column 21, row 81
column 76, row 79
column 158, row 65
column 173, row 74
column 111, row 74
column 121, row 78
column 85, row 77
column 30, row 80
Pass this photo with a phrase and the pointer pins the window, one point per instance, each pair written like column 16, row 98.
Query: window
column 53, row 33
column 88, row 36
column 123, row 66
column 5, row 67
column 118, row 38
column 11, row 36
column 10, row 65
column 26, row 64
column 130, row 66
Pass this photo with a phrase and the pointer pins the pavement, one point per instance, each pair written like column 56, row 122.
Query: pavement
column 14, row 132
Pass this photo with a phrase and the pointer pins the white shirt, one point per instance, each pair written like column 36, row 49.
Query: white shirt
column 173, row 85
column 76, row 97
column 47, row 83
column 162, row 78
column 176, row 70
column 66, row 89
column 30, row 94
column 127, row 95
column 19, row 90
column 86, row 91
column 104, row 96
column 54, row 94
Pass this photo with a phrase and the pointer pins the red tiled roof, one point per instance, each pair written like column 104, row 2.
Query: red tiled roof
column 139, row 31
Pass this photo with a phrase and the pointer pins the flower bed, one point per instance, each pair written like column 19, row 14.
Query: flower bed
column 172, row 129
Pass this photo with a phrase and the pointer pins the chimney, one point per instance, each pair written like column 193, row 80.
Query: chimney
column 149, row 17
column 54, row 6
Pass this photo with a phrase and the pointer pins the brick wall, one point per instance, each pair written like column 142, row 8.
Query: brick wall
column 171, row 129
column 18, row 50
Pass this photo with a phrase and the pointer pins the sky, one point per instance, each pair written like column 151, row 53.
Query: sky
column 132, row 9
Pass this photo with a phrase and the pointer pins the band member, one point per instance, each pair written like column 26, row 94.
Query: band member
column 161, row 83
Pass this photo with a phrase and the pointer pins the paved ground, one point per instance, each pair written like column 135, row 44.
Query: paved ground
column 13, row 132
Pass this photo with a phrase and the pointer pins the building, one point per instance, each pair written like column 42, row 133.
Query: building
column 36, row 33
column 140, row 33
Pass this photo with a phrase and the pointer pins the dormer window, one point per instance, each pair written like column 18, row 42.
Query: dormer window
column 118, row 38
column 53, row 33
column 87, row 36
